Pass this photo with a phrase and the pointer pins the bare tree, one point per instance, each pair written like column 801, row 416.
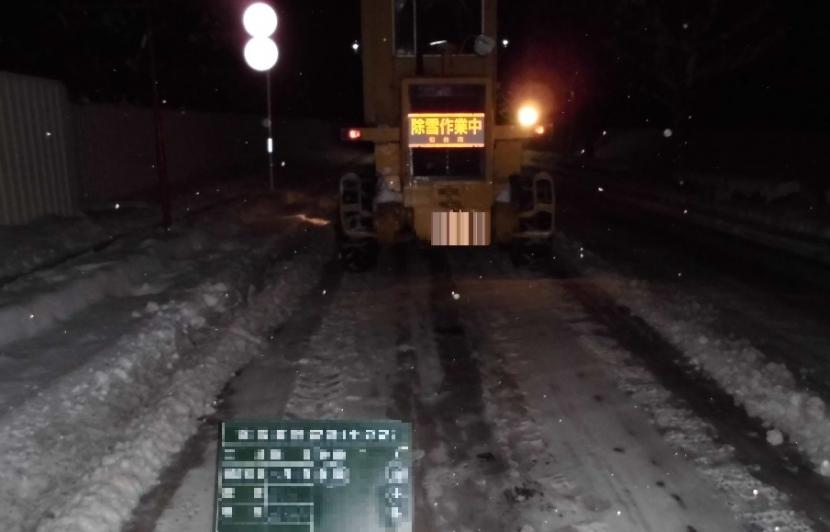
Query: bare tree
column 674, row 49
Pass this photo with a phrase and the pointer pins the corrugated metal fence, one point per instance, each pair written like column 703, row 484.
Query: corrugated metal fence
column 36, row 177
column 58, row 158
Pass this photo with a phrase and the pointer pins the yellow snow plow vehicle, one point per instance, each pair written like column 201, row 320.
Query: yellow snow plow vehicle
column 446, row 171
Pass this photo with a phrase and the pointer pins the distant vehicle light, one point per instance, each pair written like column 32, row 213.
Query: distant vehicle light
column 540, row 130
column 260, row 20
column 355, row 134
column 528, row 115
column 261, row 53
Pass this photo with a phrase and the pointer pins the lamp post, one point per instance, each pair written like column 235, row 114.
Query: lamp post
column 261, row 54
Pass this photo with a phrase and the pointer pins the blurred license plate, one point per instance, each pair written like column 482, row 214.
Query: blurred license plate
column 450, row 228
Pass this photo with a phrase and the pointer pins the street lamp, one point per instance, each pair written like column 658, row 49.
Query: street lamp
column 260, row 20
column 261, row 54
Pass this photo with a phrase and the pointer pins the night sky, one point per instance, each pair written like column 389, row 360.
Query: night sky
column 606, row 64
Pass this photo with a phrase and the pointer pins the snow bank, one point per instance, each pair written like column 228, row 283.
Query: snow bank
column 94, row 441
column 51, row 239
column 767, row 390
column 37, row 303
column 28, row 247
column 23, row 315
column 758, row 505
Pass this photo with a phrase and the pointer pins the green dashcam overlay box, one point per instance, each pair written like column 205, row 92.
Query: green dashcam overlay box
column 321, row 476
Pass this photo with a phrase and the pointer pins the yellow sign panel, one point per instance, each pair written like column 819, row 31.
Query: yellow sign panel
column 446, row 130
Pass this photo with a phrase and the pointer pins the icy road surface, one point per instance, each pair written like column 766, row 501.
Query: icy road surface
column 527, row 414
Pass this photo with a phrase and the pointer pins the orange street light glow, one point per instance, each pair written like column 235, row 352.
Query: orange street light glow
column 528, row 115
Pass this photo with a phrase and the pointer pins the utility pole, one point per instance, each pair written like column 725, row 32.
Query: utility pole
column 261, row 53
column 270, row 131
column 158, row 125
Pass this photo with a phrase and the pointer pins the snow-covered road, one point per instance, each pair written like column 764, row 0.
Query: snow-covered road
column 527, row 414
column 576, row 398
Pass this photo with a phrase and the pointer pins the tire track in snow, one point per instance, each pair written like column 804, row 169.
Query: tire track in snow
column 344, row 371
column 417, row 374
column 461, row 474
column 563, row 433
column 763, row 485
column 539, row 493
column 758, row 505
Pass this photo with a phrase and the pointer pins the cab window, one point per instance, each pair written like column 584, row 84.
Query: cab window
column 436, row 25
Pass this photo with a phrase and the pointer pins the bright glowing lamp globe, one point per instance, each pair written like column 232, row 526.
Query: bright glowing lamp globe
column 260, row 20
column 528, row 115
column 261, row 54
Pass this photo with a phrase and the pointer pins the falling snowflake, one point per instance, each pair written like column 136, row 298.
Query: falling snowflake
column 667, row 132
